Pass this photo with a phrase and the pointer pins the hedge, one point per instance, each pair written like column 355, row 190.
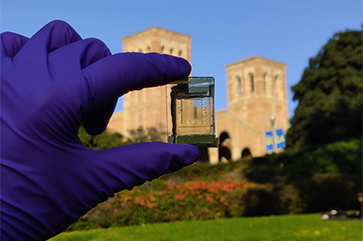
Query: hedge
column 294, row 181
column 196, row 200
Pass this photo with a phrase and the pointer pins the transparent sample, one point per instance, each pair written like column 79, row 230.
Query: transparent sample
column 194, row 116
column 192, row 111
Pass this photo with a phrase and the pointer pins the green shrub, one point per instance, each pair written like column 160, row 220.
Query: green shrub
column 196, row 200
column 207, row 171
column 289, row 199
column 324, row 192
column 344, row 157
column 293, row 181
column 265, row 174
column 272, row 200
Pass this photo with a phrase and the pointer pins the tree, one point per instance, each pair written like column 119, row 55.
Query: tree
column 330, row 94
column 103, row 141
column 109, row 139
column 151, row 134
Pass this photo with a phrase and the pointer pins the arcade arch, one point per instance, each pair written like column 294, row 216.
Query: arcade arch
column 246, row 153
column 204, row 156
column 225, row 147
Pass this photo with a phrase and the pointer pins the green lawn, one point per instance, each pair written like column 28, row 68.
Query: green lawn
column 284, row 227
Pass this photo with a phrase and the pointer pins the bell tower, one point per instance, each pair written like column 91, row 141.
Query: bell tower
column 148, row 107
column 256, row 90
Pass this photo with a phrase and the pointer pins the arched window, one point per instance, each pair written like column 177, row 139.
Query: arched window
column 180, row 53
column 274, row 86
column 252, row 84
column 239, row 86
column 171, row 51
column 264, row 82
column 246, row 153
column 162, row 49
column 225, row 147
column 140, row 50
column 148, row 49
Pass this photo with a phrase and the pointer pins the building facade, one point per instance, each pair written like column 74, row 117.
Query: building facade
column 256, row 90
column 149, row 107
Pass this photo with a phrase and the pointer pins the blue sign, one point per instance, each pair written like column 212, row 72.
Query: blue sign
column 280, row 139
column 269, row 139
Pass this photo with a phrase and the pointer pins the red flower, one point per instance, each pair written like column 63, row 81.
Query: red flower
column 179, row 196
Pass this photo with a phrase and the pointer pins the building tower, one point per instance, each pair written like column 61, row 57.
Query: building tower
column 148, row 107
column 256, row 89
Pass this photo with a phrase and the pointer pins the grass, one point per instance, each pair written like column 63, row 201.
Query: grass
column 284, row 227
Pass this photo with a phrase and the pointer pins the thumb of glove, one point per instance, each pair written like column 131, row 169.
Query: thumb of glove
column 120, row 168
column 109, row 171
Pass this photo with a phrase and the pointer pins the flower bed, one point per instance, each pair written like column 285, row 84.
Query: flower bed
column 195, row 200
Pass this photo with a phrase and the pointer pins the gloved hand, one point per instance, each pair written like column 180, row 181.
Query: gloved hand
column 50, row 84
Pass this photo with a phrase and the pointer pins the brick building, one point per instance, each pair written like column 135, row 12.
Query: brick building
column 256, row 89
column 148, row 107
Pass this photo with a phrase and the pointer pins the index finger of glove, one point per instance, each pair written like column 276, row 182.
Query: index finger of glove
column 11, row 43
column 115, row 75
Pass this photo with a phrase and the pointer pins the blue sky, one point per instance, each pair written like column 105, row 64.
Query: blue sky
column 223, row 31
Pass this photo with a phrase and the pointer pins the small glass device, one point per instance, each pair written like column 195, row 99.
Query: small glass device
column 192, row 111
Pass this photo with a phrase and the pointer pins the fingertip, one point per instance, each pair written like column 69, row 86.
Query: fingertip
column 185, row 67
column 186, row 155
column 115, row 75
column 193, row 152
column 58, row 33
column 52, row 36
column 12, row 43
column 98, row 121
column 181, row 67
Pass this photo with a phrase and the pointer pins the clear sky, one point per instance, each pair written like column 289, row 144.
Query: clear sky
column 223, row 31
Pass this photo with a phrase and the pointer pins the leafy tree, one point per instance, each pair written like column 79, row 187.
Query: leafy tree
column 151, row 134
column 330, row 94
column 103, row 141
column 109, row 139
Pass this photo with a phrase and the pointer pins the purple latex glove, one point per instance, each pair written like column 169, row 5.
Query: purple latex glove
column 50, row 84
